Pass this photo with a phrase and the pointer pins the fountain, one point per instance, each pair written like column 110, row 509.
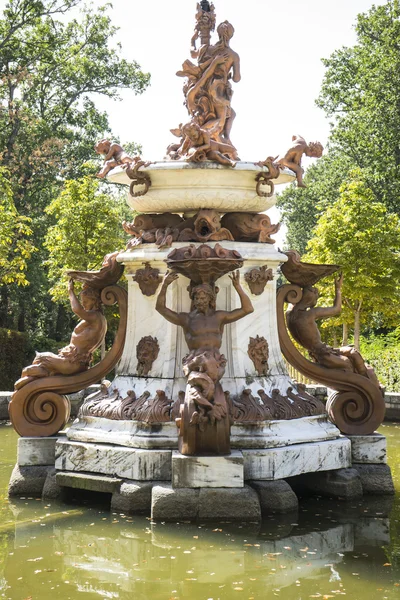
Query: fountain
column 202, row 418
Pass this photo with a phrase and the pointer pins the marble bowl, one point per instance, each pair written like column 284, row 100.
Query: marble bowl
column 183, row 187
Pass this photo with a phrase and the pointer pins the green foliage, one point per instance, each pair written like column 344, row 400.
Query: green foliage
column 88, row 226
column 361, row 93
column 17, row 351
column 363, row 238
column 383, row 353
column 53, row 65
column 15, row 230
column 301, row 207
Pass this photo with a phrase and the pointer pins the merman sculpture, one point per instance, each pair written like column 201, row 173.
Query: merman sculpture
column 204, row 422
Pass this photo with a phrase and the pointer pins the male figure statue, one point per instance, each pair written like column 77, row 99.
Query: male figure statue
column 204, row 424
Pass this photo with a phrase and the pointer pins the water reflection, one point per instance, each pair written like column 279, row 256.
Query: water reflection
column 103, row 555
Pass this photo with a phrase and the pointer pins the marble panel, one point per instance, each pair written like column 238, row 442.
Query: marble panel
column 368, row 448
column 35, row 451
column 207, row 471
column 279, row 463
column 128, row 463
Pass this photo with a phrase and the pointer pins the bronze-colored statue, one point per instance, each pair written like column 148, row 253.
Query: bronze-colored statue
column 357, row 406
column 114, row 156
column 208, row 94
column 292, row 158
column 86, row 337
column 302, row 323
column 197, row 146
column 204, row 422
column 147, row 351
column 258, row 352
column 250, row 227
column 257, row 279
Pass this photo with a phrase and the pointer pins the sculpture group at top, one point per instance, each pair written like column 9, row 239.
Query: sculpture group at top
column 208, row 93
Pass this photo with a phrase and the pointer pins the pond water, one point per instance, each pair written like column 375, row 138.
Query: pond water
column 69, row 551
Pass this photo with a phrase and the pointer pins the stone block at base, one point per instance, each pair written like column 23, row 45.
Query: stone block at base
column 239, row 504
column 87, row 481
column 168, row 504
column 127, row 463
column 133, row 497
column 376, row 479
column 27, row 480
column 280, row 463
column 34, row 451
column 275, row 496
column 207, row 471
column 51, row 489
column 343, row 483
column 368, row 448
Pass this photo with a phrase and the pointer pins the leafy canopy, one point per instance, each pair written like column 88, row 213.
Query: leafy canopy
column 363, row 237
column 15, row 231
column 88, row 226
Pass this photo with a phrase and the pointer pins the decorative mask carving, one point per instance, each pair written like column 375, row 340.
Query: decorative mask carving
column 148, row 279
column 258, row 351
column 146, row 352
column 258, row 278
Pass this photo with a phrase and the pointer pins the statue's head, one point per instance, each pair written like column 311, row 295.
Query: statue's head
column 102, row 146
column 225, row 31
column 192, row 130
column 315, row 150
column 90, row 298
column 203, row 297
column 310, row 296
column 147, row 351
column 258, row 352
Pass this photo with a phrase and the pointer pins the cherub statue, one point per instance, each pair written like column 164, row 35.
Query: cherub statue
column 292, row 158
column 198, row 146
column 204, row 366
column 302, row 323
column 114, row 156
column 86, row 337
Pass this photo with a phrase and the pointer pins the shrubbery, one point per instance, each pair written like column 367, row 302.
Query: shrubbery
column 383, row 353
column 18, row 351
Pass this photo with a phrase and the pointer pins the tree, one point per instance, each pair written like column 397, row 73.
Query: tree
column 87, row 227
column 15, row 231
column 301, row 207
column 51, row 71
column 361, row 93
column 363, row 237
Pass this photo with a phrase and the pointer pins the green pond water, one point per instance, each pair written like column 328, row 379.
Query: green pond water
column 329, row 550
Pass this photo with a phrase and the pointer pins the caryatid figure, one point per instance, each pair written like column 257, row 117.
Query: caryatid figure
column 204, row 423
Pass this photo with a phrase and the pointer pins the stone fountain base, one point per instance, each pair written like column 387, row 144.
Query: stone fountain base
column 249, row 483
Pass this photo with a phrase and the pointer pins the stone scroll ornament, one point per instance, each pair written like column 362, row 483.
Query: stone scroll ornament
column 38, row 406
column 204, row 421
column 357, row 406
column 208, row 92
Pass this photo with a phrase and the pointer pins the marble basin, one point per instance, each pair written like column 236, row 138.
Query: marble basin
column 183, row 187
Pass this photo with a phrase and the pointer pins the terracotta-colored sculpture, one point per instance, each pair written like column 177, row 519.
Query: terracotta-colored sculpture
column 114, row 156
column 197, row 145
column 86, row 337
column 208, row 94
column 357, row 406
column 292, row 158
column 204, row 422
column 250, row 227
column 264, row 179
column 302, row 323
column 257, row 279
column 146, row 352
column 148, row 279
column 258, row 352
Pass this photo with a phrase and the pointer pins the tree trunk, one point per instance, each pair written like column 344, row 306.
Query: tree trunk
column 357, row 328
column 345, row 337
column 335, row 338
